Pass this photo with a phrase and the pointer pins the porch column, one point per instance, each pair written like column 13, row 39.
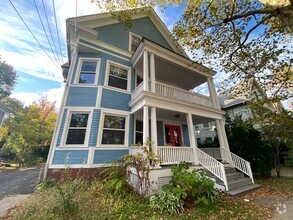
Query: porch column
column 145, row 71
column 213, row 93
column 152, row 72
column 154, row 130
column 192, row 137
column 220, row 134
column 222, row 124
column 145, row 123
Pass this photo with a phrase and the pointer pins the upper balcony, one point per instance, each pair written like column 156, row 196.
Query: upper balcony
column 161, row 73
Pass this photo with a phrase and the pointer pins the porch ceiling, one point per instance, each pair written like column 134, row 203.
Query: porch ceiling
column 173, row 74
column 175, row 116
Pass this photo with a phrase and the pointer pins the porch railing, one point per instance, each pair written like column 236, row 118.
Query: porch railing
column 137, row 91
column 238, row 162
column 212, row 165
column 173, row 155
column 183, row 95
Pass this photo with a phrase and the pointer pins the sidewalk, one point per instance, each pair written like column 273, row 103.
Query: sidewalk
column 10, row 202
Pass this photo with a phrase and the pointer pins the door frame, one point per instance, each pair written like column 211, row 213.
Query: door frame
column 171, row 134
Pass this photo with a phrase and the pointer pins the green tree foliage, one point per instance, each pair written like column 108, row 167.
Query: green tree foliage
column 245, row 38
column 245, row 141
column 29, row 133
column 7, row 79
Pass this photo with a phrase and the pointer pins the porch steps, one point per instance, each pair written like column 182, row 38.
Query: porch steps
column 238, row 183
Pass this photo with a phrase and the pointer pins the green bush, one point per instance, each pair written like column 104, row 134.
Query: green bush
column 166, row 202
column 191, row 186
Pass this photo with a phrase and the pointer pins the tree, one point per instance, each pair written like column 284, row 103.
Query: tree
column 245, row 38
column 245, row 141
column 7, row 79
column 30, row 131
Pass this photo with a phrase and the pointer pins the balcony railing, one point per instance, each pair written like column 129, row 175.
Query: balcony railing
column 172, row 92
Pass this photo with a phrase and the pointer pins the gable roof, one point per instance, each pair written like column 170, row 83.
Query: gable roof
column 87, row 23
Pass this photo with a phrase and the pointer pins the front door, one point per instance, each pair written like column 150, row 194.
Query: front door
column 173, row 135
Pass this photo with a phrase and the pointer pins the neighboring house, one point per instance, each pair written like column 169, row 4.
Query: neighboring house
column 4, row 112
column 125, row 85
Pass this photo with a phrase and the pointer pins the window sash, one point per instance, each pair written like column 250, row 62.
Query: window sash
column 88, row 68
column 114, row 131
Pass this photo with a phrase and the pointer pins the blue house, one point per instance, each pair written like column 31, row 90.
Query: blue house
column 124, row 85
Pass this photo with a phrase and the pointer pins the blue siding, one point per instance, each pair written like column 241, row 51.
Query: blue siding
column 61, row 128
column 185, row 135
column 115, row 100
column 94, row 128
column 82, row 96
column 70, row 157
column 108, row 156
column 160, row 133
column 117, row 35
column 131, row 130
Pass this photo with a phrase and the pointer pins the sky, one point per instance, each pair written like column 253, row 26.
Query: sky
column 38, row 74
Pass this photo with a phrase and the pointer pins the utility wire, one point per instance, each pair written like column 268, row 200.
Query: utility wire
column 57, row 31
column 33, row 34
column 51, row 32
column 46, row 33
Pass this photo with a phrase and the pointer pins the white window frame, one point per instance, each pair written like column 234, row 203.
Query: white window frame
column 80, row 61
column 101, row 128
column 134, row 138
column 130, row 40
column 107, row 74
column 67, row 125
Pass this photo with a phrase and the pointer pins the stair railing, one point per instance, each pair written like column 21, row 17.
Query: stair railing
column 212, row 165
column 237, row 162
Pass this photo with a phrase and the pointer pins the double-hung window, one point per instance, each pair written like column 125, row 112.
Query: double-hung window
column 118, row 76
column 138, row 132
column 77, row 128
column 113, row 130
column 88, row 72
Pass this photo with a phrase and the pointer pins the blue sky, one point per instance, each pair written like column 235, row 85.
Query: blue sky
column 37, row 74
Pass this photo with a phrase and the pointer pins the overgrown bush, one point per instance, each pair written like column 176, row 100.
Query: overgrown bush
column 189, row 187
column 166, row 202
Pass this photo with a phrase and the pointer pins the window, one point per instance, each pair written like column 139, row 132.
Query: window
column 113, row 130
column 87, row 72
column 138, row 132
column 135, row 40
column 77, row 128
column 138, row 80
column 118, row 76
column 206, row 125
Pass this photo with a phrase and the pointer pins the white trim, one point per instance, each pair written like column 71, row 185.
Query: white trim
column 99, row 96
column 116, row 89
column 134, row 128
column 130, row 40
column 107, row 73
column 78, row 71
column 71, row 111
column 101, row 128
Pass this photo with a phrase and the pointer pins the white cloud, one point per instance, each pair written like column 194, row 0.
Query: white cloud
column 53, row 95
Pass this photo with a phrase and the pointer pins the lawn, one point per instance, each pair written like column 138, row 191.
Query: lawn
column 83, row 200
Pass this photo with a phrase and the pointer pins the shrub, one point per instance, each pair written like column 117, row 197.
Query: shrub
column 166, row 202
column 191, row 186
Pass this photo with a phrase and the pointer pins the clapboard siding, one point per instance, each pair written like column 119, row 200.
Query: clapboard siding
column 70, row 157
column 115, row 100
column 61, row 128
column 82, row 96
column 94, row 128
column 108, row 156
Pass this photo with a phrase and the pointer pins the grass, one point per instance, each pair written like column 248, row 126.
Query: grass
column 85, row 200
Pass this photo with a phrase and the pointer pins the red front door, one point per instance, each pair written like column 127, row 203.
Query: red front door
column 173, row 135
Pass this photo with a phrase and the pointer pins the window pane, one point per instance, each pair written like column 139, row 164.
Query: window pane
column 139, row 125
column 138, row 80
column 113, row 137
column 79, row 120
column 117, row 71
column 114, row 122
column 134, row 42
column 138, row 138
column 75, row 136
column 118, row 83
column 89, row 66
column 87, row 78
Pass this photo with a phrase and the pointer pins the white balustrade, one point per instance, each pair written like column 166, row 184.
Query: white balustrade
column 237, row 162
column 212, row 165
column 173, row 155
column 137, row 91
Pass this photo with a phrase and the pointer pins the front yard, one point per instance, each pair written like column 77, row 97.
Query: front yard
column 83, row 200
